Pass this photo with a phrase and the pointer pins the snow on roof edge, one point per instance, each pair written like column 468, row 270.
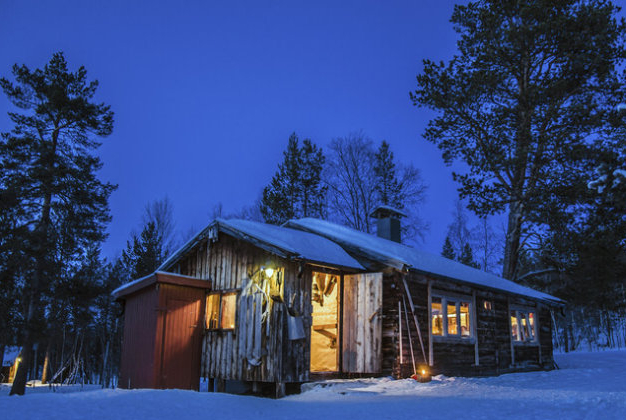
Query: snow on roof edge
column 415, row 259
column 139, row 280
column 224, row 223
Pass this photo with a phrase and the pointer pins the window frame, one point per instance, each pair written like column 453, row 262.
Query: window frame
column 221, row 294
column 458, row 300
column 523, row 313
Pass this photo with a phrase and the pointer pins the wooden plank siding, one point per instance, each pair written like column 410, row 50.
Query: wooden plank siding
column 362, row 323
column 137, row 367
column 229, row 354
column 179, row 331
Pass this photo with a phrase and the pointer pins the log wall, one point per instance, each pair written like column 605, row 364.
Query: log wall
column 452, row 356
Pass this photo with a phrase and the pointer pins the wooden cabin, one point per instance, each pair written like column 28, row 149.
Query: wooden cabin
column 312, row 299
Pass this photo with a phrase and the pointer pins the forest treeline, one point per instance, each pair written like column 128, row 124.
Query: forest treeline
column 532, row 107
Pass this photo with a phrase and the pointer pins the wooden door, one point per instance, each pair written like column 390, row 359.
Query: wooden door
column 362, row 322
column 180, row 352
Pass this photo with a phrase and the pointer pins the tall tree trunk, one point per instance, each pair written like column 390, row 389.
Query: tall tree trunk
column 41, row 248
column 103, row 378
column 46, row 364
column 512, row 244
column 21, row 376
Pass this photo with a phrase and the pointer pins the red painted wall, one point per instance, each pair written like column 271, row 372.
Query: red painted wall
column 162, row 344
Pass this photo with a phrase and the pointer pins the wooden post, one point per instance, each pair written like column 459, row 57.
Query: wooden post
column 221, row 385
column 537, row 333
column 474, row 321
column 430, row 325
column 256, row 387
column 340, row 327
column 508, row 319
column 279, row 390
column 417, row 325
column 400, row 330
column 408, row 331
column 211, row 385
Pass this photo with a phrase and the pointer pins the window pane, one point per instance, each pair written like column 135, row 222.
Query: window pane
column 452, row 320
column 229, row 306
column 212, row 311
column 524, row 327
column 437, row 315
column 531, row 325
column 514, row 326
column 464, row 321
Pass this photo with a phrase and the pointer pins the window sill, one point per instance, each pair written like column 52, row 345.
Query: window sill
column 444, row 339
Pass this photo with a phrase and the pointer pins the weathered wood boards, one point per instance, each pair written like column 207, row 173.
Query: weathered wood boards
column 362, row 323
column 254, row 350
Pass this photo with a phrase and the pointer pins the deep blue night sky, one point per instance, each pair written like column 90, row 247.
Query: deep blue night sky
column 206, row 94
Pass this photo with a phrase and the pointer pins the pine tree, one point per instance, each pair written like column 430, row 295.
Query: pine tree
column 447, row 250
column 280, row 197
column 521, row 103
column 296, row 190
column 467, row 256
column 144, row 253
column 49, row 166
column 312, row 190
column 387, row 185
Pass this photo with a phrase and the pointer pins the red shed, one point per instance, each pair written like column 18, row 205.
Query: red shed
column 163, row 325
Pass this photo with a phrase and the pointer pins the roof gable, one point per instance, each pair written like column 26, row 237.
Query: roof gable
column 283, row 241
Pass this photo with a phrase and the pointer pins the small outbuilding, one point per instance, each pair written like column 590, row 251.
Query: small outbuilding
column 163, row 328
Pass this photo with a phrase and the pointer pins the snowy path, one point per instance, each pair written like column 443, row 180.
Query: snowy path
column 588, row 386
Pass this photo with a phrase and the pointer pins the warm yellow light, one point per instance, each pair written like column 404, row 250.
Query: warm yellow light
column 269, row 272
column 19, row 359
column 423, row 372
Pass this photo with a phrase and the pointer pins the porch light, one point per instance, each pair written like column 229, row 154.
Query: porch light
column 269, row 272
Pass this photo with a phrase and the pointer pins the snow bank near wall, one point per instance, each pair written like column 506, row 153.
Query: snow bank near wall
column 588, row 386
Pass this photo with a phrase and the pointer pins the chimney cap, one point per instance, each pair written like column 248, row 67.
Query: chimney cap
column 382, row 211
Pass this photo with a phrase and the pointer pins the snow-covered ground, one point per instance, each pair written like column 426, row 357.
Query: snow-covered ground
column 588, row 386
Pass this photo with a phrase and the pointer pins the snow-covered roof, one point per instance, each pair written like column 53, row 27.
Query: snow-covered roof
column 10, row 354
column 284, row 241
column 382, row 208
column 402, row 256
column 130, row 284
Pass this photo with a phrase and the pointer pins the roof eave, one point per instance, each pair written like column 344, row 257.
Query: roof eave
column 557, row 302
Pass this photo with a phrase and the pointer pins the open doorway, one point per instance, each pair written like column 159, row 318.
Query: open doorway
column 324, row 327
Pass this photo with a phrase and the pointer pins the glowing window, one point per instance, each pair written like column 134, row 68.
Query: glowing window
column 515, row 333
column 523, row 325
column 451, row 317
column 229, row 305
column 464, row 319
column 220, row 310
column 212, row 311
column 437, row 316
